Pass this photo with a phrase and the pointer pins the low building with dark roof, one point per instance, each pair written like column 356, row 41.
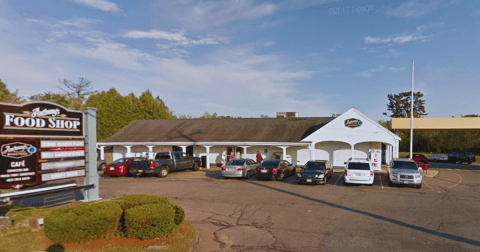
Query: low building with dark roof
column 295, row 139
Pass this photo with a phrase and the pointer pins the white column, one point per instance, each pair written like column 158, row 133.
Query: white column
column 102, row 152
column 387, row 154
column 397, row 148
column 312, row 151
column 184, row 149
column 208, row 156
column 353, row 150
column 390, row 151
column 129, row 151
column 284, row 148
column 150, row 152
column 244, row 151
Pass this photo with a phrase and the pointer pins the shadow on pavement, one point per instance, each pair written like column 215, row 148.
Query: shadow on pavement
column 379, row 217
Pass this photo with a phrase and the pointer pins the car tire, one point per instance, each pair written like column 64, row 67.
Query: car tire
column 345, row 183
column 163, row 172
column 390, row 184
column 282, row 176
column 195, row 167
column 419, row 186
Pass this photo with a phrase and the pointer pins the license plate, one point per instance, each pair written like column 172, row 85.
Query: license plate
column 405, row 182
column 309, row 181
column 264, row 171
column 111, row 168
column 358, row 174
column 140, row 171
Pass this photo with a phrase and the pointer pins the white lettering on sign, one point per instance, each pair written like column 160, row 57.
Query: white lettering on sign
column 62, row 154
column 63, row 164
column 62, row 175
column 53, row 144
column 37, row 113
column 27, row 174
column 18, row 164
column 21, row 120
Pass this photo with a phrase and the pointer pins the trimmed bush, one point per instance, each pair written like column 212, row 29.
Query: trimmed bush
column 149, row 221
column 133, row 200
column 82, row 222
column 179, row 214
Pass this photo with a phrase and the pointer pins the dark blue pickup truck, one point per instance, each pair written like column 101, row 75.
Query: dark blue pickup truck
column 164, row 163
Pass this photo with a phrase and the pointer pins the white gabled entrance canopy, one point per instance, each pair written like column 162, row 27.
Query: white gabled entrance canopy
column 353, row 127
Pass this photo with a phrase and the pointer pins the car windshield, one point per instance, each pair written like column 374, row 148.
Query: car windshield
column 236, row 162
column 120, row 161
column 404, row 165
column 162, row 155
column 358, row 166
column 315, row 166
column 270, row 164
column 469, row 155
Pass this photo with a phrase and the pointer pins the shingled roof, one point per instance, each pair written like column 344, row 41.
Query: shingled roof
column 219, row 130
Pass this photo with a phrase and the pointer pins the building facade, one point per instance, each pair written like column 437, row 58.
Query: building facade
column 296, row 140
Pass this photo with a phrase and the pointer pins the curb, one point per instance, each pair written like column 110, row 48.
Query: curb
column 196, row 240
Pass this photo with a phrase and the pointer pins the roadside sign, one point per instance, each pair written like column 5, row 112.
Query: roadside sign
column 18, row 162
column 40, row 119
column 62, row 159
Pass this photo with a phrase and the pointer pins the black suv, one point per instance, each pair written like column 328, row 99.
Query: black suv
column 461, row 157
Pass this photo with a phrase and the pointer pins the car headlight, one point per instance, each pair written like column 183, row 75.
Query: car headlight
column 299, row 175
column 319, row 176
column 418, row 176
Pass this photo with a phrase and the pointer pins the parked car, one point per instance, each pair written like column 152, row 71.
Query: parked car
column 461, row 157
column 165, row 162
column 438, row 158
column 358, row 171
column 404, row 172
column 274, row 169
column 419, row 158
column 120, row 167
column 239, row 168
column 315, row 172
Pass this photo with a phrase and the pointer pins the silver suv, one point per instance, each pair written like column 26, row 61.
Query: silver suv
column 404, row 172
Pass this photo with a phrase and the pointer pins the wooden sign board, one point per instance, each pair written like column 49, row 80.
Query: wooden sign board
column 18, row 162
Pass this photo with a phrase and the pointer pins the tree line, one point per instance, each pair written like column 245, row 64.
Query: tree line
column 429, row 141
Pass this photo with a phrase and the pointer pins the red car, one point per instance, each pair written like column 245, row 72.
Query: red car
column 421, row 160
column 121, row 166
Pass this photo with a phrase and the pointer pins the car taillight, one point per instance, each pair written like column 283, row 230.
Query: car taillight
column 239, row 169
column 223, row 169
column 256, row 169
column 152, row 165
column 274, row 170
column 371, row 173
column 345, row 172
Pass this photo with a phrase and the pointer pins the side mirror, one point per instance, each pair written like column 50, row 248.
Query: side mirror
column 344, row 162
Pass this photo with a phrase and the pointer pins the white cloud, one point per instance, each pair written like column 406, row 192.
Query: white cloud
column 199, row 15
column 179, row 38
column 413, row 9
column 405, row 38
column 103, row 5
column 391, row 53
column 396, row 69
column 369, row 73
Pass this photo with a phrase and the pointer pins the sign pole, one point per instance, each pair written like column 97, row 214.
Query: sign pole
column 91, row 154
column 411, row 115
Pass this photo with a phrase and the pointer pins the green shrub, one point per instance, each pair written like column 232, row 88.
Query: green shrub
column 149, row 221
column 179, row 214
column 82, row 222
column 133, row 200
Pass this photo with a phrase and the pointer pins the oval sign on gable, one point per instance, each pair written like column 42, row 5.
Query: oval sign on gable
column 353, row 123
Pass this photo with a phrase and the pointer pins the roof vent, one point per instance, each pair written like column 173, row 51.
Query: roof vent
column 287, row 114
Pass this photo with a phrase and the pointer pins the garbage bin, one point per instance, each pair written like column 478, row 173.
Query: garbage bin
column 204, row 161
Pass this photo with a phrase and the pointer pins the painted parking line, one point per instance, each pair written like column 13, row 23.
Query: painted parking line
column 338, row 179
column 431, row 188
column 458, row 183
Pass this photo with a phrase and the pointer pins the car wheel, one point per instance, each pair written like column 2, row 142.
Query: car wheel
column 282, row 175
column 345, row 183
column 419, row 186
column 390, row 184
column 102, row 167
column 163, row 172
column 195, row 167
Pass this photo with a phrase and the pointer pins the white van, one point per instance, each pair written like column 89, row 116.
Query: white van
column 358, row 171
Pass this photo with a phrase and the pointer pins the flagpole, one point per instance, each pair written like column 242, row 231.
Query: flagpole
column 411, row 113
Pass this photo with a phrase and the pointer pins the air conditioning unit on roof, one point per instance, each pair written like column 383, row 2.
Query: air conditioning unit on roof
column 287, row 114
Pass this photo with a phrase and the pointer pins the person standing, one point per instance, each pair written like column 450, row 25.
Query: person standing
column 231, row 156
column 259, row 157
column 224, row 158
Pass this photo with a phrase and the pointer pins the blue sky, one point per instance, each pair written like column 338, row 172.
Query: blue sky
column 249, row 58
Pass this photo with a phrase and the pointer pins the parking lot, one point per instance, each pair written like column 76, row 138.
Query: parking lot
column 251, row 215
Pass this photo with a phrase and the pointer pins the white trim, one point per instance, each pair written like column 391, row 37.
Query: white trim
column 204, row 143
